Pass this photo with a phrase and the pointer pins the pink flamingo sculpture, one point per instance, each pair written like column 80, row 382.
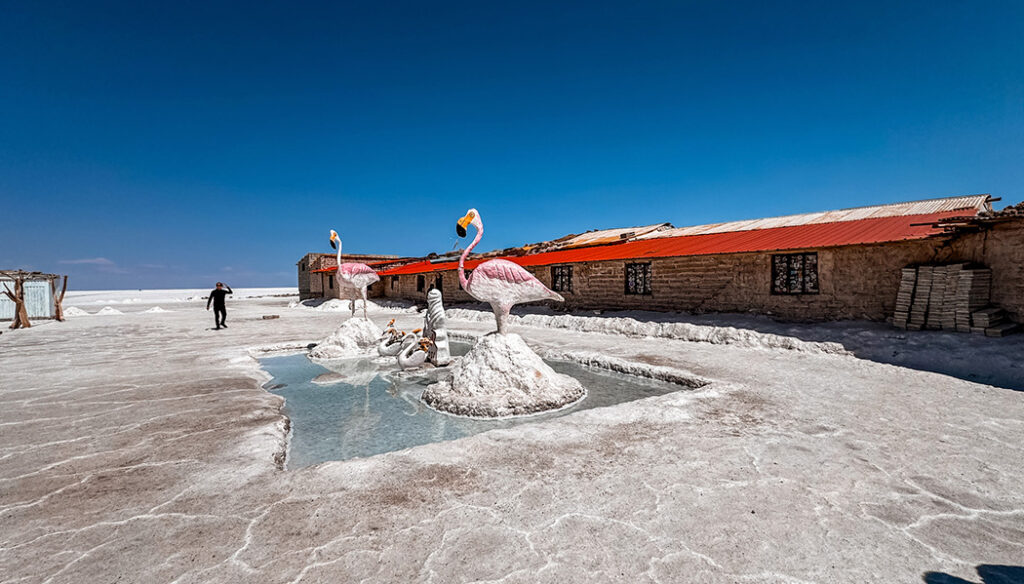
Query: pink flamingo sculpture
column 500, row 283
column 353, row 278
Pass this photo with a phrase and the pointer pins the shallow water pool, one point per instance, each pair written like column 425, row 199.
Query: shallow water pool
column 378, row 409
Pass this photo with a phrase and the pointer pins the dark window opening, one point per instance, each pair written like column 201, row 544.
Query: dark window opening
column 394, row 282
column 330, row 282
column 421, row 283
column 439, row 282
column 795, row 273
column 561, row 278
column 638, row 279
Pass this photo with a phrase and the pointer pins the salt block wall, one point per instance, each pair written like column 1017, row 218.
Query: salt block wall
column 855, row 282
column 1002, row 249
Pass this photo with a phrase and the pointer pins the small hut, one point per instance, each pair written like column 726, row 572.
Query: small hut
column 35, row 290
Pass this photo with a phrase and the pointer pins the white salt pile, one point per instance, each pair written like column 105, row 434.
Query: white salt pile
column 106, row 311
column 334, row 305
column 157, row 309
column 75, row 311
column 339, row 305
column 500, row 377
column 357, row 336
column 631, row 327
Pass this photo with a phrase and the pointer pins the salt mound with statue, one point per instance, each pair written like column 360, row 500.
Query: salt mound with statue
column 357, row 336
column 501, row 377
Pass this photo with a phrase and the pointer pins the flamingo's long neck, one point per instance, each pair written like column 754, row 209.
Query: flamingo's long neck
column 339, row 256
column 462, row 259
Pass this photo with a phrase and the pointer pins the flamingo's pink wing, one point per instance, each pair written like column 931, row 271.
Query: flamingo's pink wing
column 505, row 283
column 506, row 271
column 358, row 274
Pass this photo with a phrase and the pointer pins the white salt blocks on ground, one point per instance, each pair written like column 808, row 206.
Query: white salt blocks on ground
column 500, row 377
column 358, row 336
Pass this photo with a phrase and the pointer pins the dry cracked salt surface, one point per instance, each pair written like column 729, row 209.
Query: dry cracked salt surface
column 141, row 448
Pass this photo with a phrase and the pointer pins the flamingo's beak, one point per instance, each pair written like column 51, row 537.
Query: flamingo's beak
column 332, row 244
column 334, row 235
column 460, row 227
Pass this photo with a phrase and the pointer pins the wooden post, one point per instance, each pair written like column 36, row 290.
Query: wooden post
column 18, row 298
column 58, row 309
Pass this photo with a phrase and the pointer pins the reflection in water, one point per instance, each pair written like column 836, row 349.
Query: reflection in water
column 377, row 408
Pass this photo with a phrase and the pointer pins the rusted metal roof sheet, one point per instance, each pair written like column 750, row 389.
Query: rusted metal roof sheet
column 377, row 264
column 972, row 204
column 606, row 236
column 809, row 236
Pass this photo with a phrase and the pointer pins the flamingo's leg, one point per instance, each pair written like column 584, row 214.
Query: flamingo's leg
column 501, row 315
column 363, row 290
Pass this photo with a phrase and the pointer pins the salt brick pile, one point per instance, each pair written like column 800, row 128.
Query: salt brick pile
column 949, row 297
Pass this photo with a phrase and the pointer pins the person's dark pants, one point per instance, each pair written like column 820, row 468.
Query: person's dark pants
column 220, row 316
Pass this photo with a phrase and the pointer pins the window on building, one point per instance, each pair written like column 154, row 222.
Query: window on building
column 303, row 266
column 638, row 279
column 421, row 283
column 561, row 278
column 439, row 282
column 394, row 282
column 795, row 273
column 468, row 273
column 330, row 282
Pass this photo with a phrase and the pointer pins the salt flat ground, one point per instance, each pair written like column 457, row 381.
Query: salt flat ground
column 141, row 448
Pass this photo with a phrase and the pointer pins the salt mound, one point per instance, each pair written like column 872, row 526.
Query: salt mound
column 75, row 311
column 334, row 305
column 343, row 305
column 631, row 327
column 106, row 310
column 156, row 309
column 501, row 376
column 357, row 336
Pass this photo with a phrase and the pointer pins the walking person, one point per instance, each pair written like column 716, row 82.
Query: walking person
column 220, row 311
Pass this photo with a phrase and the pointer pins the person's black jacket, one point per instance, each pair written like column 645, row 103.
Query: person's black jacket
column 217, row 297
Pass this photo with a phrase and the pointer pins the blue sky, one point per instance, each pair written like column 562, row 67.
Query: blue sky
column 155, row 145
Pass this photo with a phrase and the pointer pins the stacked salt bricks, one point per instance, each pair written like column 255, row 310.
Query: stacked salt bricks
column 905, row 297
column 973, row 294
column 949, row 297
column 922, row 293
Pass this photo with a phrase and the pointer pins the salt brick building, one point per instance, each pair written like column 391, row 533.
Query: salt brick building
column 316, row 272
column 815, row 266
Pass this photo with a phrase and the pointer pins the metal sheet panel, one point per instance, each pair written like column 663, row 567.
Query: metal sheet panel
column 6, row 306
column 38, row 300
column 969, row 205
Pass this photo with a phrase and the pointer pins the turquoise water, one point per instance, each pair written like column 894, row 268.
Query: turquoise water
column 383, row 412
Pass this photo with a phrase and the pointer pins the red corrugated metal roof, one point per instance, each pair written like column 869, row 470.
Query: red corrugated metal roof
column 862, row 231
column 335, row 268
